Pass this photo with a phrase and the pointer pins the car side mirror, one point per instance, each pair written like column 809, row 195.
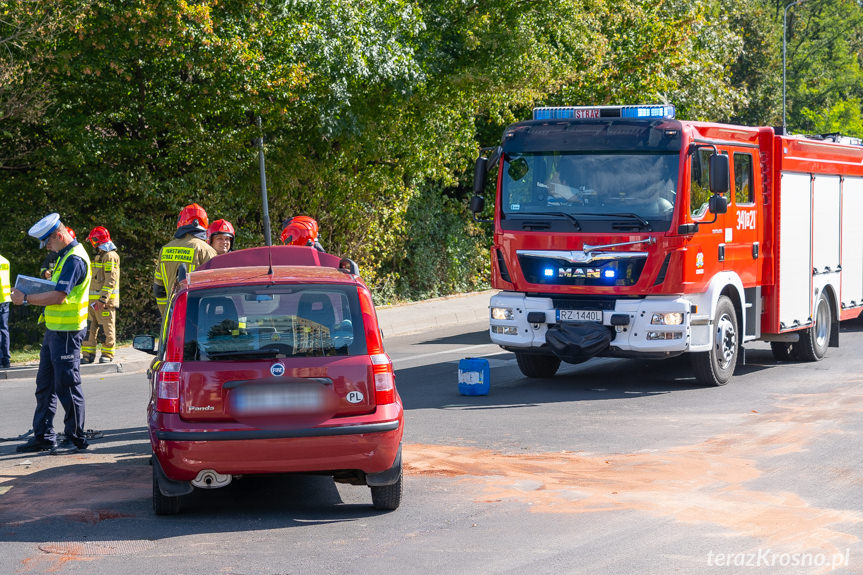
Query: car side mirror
column 720, row 176
column 145, row 343
column 718, row 204
column 480, row 170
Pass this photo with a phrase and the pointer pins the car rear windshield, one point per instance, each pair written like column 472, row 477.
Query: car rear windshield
column 273, row 321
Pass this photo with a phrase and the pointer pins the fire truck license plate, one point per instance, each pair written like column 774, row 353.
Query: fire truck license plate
column 579, row 315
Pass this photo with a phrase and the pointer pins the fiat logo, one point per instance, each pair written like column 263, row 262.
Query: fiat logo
column 277, row 369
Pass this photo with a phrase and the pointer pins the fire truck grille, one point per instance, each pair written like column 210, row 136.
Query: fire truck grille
column 607, row 273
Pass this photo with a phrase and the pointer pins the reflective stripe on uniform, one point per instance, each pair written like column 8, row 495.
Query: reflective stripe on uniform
column 5, row 287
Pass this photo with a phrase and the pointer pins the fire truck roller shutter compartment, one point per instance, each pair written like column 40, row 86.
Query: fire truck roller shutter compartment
column 852, row 242
column 795, row 239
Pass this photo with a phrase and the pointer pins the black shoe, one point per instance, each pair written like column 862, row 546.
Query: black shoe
column 88, row 359
column 104, row 359
column 36, row 444
column 70, row 446
column 4, row 365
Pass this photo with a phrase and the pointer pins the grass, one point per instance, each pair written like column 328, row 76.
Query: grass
column 30, row 353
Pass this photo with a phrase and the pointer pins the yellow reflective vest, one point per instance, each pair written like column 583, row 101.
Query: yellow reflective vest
column 71, row 315
column 5, row 286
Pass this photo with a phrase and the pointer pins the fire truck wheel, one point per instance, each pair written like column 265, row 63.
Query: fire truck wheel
column 782, row 351
column 537, row 365
column 715, row 367
column 813, row 342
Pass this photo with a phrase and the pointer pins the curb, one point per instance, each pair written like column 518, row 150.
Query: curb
column 29, row 371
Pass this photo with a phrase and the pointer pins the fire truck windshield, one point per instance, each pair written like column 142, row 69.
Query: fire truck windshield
column 599, row 188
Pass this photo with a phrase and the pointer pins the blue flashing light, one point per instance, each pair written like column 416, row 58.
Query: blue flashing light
column 608, row 274
column 652, row 111
column 548, row 272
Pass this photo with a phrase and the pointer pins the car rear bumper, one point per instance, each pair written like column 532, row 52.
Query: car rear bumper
column 370, row 446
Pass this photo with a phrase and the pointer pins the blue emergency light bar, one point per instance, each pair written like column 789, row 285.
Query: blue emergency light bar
column 654, row 111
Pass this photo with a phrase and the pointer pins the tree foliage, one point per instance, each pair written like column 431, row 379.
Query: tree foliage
column 120, row 113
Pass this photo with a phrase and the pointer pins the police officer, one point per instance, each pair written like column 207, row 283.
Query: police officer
column 5, row 298
column 59, row 360
column 188, row 247
column 104, row 296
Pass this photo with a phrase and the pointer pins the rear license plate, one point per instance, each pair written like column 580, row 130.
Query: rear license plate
column 593, row 315
column 278, row 399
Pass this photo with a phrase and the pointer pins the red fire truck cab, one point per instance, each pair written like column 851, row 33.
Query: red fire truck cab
column 620, row 231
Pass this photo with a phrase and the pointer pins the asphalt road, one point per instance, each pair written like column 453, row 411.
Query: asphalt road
column 612, row 466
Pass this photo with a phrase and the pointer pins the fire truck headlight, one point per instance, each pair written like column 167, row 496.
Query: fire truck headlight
column 674, row 318
column 503, row 313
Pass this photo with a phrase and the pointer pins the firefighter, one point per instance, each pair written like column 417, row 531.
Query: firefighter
column 5, row 293
column 104, row 297
column 301, row 231
column 220, row 235
column 188, row 247
column 59, row 376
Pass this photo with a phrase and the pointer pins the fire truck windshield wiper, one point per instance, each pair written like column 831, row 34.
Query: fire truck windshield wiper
column 566, row 215
column 644, row 223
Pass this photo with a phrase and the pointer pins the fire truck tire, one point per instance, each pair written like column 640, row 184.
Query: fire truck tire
column 715, row 367
column 782, row 351
column 813, row 342
column 537, row 365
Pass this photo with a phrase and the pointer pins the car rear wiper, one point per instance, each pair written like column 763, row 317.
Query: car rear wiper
column 644, row 223
column 244, row 353
column 555, row 214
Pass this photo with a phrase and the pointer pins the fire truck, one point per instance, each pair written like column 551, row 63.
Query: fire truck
column 620, row 231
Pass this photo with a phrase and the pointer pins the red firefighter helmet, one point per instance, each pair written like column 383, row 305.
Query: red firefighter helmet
column 193, row 214
column 220, row 227
column 300, row 231
column 98, row 236
column 71, row 232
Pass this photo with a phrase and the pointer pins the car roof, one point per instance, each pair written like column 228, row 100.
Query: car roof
column 271, row 265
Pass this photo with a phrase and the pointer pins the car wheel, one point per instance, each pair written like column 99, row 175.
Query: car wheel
column 387, row 497
column 537, row 365
column 163, row 504
column 715, row 367
column 813, row 342
column 782, row 351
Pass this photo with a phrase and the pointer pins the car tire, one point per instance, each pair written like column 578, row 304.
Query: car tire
column 163, row 504
column 782, row 350
column 715, row 367
column 814, row 341
column 387, row 497
column 537, row 365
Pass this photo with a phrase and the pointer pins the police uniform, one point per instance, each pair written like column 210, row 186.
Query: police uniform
column 58, row 377
column 186, row 249
column 105, row 288
column 5, row 291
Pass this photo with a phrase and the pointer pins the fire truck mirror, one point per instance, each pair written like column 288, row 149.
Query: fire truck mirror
column 477, row 204
column 479, row 171
column 718, row 204
column 719, row 175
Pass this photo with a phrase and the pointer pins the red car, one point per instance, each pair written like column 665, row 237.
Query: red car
column 272, row 363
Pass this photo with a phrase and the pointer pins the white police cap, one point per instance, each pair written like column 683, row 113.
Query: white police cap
column 42, row 229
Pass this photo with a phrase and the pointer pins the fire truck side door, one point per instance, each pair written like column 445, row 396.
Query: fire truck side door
column 705, row 252
column 743, row 230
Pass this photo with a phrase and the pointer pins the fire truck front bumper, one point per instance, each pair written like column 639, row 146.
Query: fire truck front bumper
column 651, row 327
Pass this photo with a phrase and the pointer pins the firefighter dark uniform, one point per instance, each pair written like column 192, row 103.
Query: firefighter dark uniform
column 59, row 377
column 104, row 288
column 188, row 247
column 5, row 293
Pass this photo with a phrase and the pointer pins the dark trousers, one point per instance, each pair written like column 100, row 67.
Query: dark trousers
column 59, row 378
column 4, row 334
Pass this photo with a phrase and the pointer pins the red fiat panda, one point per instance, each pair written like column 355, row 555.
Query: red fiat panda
column 273, row 363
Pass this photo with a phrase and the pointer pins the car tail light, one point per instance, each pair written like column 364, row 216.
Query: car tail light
column 382, row 366
column 168, row 376
column 382, row 370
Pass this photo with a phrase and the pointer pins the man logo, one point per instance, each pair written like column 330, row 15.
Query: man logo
column 277, row 369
